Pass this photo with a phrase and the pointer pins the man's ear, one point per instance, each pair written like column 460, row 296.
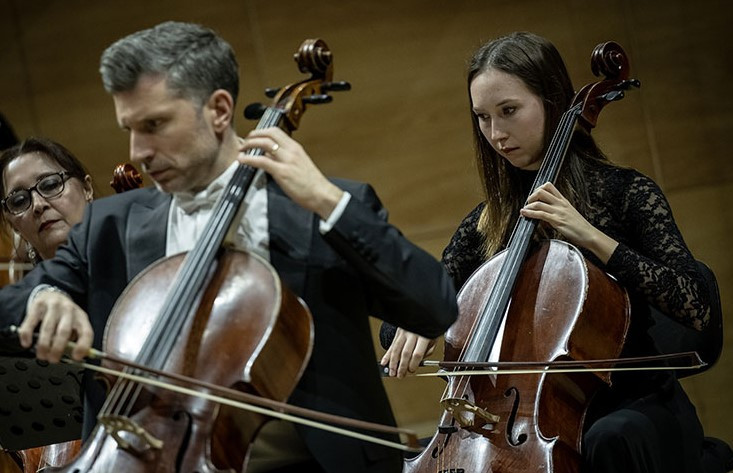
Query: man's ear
column 221, row 107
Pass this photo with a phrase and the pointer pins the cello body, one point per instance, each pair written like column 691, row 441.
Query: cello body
column 248, row 332
column 562, row 308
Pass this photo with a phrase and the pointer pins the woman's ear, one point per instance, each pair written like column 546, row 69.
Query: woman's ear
column 88, row 189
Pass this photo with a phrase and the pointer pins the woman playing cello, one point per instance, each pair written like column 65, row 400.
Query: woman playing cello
column 44, row 191
column 518, row 89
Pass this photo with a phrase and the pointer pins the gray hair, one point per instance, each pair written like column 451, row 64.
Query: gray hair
column 194, row 60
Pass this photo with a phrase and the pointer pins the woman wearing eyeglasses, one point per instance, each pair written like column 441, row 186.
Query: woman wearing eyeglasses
column 44, row 190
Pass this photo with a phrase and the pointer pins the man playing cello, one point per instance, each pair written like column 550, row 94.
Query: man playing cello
column 174, row 88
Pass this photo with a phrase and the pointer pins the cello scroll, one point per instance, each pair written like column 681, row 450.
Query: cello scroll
column 313, row 57
column 610, row 60
column 125, row 177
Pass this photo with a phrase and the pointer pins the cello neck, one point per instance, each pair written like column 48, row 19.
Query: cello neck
column 194, row 275
column 491, row 316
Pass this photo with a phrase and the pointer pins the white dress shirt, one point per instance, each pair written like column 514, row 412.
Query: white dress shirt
column 189, row 214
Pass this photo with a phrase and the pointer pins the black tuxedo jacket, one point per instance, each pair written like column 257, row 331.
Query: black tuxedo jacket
column 362, row 267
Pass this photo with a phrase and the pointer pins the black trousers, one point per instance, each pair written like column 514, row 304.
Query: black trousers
column 656, row 433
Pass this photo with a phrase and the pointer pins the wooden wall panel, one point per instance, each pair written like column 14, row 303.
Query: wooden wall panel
column 404, row 127
column 15, row 98
column 706, row 217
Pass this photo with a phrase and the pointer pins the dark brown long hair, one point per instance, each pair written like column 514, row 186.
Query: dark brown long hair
column 537, row 63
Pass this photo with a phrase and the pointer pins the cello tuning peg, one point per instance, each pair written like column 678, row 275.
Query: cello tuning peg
column 614, row 95
column 254, row 111
column 317, row 99
column 632, row 83
column 271, row 92
column 335, row 86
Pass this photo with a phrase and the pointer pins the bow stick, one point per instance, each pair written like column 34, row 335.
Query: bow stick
column 246, row 401
column 559, row 366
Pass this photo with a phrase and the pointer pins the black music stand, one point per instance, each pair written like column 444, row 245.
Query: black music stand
column 39, row 401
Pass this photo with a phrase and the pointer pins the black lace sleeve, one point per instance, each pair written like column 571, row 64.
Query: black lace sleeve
column 653, row 260
column 465, row 251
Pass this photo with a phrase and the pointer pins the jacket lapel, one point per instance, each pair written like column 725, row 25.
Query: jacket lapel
column 288, row 222
column 145, row 233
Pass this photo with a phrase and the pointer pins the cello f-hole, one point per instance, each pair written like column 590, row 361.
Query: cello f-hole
column 511, row 438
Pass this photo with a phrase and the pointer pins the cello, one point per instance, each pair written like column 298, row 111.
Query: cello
column 125, row 177
column 550, row 305
column 12, row 264
column 223, row 317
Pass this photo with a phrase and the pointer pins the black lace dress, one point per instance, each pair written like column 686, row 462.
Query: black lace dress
column 644, row 423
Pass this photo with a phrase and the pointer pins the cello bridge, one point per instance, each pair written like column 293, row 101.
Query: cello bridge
column 466, row 414
column 120, row 427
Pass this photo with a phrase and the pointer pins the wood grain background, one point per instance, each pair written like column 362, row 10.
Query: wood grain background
column 405, row 126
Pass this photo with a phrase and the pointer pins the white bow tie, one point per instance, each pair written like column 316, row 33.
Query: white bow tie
column 205, row 199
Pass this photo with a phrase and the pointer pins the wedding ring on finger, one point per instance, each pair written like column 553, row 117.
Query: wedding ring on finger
column 274, row 149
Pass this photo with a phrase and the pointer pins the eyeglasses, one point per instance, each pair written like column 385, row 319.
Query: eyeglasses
column 48, row 186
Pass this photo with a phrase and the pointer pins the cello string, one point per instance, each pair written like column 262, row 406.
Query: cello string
column 487, row 325
column 495, row 308
column 493, row 311
column 491, row 308
column 181, row 301
column 173, row 316
column 183, row 296
column 485, row 328
column 193, row 270
column 202, row 257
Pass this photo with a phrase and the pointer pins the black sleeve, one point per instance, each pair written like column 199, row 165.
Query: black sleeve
column 65, row 271
column 461, row 257
column 657, row 263
column 408, row 286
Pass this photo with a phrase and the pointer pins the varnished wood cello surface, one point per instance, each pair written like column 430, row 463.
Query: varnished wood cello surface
column 56, row 455
column 569, row 311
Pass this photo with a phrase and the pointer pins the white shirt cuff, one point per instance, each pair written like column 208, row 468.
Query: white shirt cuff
column 326, row 226
column 39, row 289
